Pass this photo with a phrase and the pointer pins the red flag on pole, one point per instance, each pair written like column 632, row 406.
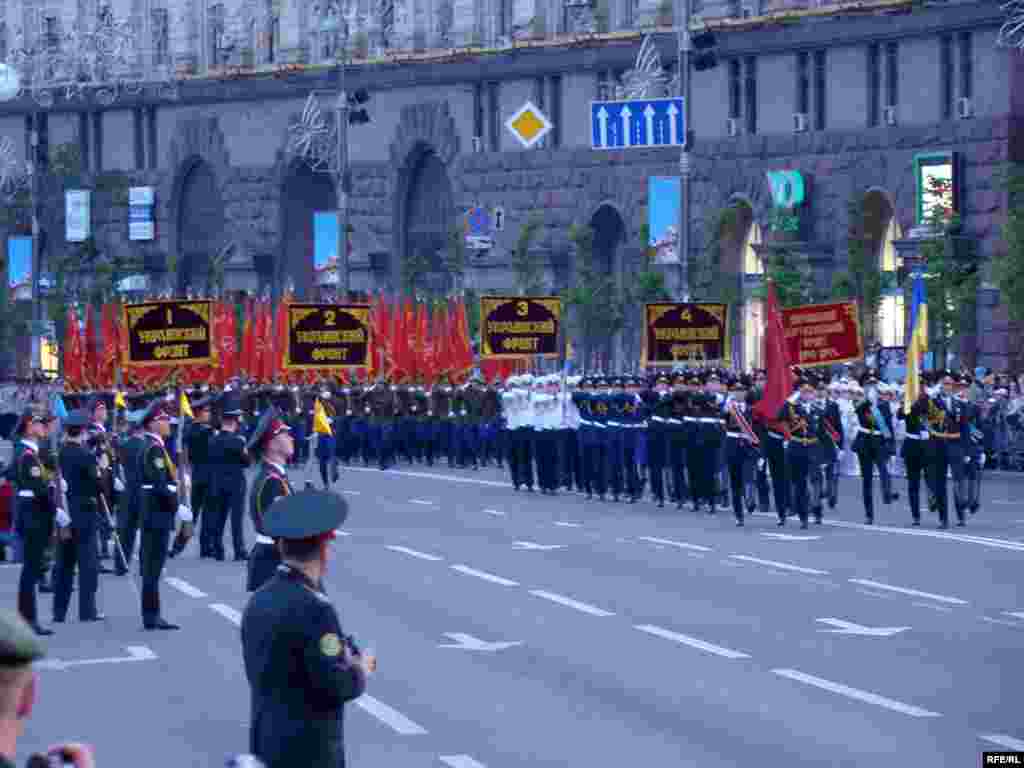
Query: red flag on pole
column 91, row 357
column 74, row 356
column 780, row 375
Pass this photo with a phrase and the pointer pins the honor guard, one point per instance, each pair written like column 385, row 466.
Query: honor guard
column 327, row 444
column 874, row 433
column 915, row 452
column 302, row 669
column 196, row 442
column 129, row 511
column 832, row 446
column 160, row 508
column 34, row 508
column 102, row 443
column 659, row 406
column 974, row 445
column 228, row 458
column 80, row 469
column 741, row 446
column 802, row 423
column 272, row 441
column 948, row 430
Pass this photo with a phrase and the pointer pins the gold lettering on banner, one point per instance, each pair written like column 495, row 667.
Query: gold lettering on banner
column 173, row 334
column 331, row 337
column 687, row 334
column 512, row 326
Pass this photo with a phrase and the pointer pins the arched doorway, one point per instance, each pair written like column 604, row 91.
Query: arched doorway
column 881, row 229
column 200, row 226
column 428, row 223
column 741, row 239
column 609, row 235
column 308, row 201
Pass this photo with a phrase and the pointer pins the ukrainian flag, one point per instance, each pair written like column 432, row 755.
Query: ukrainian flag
column 918, row 343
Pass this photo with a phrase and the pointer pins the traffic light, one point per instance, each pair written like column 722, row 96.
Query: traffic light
column 358, row 114
column 706, row 53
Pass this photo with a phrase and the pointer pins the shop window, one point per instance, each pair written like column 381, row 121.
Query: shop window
column 891, row 308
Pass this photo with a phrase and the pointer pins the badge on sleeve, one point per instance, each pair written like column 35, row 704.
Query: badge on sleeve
column 159, row 462
column 330, row 645
column 35, row 471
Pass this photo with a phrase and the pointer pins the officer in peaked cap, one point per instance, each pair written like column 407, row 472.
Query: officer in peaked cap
column 228, row 458
column 130, row 449
column 297, row 719
column 272, row 442
column 196, row 442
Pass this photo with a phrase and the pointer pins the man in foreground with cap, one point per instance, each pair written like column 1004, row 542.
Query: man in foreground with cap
column 301, row 668
column 272, row 440
column 35, row 510
column 159, row 502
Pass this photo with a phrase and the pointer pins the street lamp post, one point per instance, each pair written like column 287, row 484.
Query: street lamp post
column 341, row 119
column 685, row 77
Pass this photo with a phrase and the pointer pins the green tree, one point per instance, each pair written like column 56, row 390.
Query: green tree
column 596, row 309
column 862, row 280
column 707, row 280
column 527, row 264
column 1008, row 265
column 793, row 281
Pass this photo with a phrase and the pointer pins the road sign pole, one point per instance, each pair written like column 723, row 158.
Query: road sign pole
column 685, row 49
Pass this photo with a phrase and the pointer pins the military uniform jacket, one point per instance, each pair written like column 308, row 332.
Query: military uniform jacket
column 299, row 674
column 420, row 405
column 197, row 443
column 228, row 459
column 803, row 423
column 130, row 451
column 35, row 510
column 101, row 443
column 441, row 398
column 832, row 428
column 948, row 422
column 490, row 405
column 915, row 443
column 81, row 470
column 404, row 400
column 381, row 402
column 270, row 483
column 462, row 405
column 869, row 432
column 159, row 485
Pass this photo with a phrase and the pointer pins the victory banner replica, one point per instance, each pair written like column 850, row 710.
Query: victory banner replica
column 686, row 333
column 169, row 333
column 326, row 336
column 823, row 334
column 514, row 326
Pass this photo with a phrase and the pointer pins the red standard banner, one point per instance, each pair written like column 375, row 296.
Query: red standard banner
column 823, row 334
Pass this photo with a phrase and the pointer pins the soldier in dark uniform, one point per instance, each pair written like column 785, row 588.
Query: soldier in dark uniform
column 832, row 423
column 302, row 669
column 101, row 442
column 34, row 508
column 659, row 406
column 741, row 446
column 381, row 404
column 803, row 425
column 915, row 452
column 423, row 426
column 228, row 458
column 196, row 442
column 874, row 433
column 272, row 441
column 405, row 424
column 130, row 509
column 80, row 469
column 948, row 427
column 677, row 437
column 441, row 407
column 160, row 509
column 327, row 445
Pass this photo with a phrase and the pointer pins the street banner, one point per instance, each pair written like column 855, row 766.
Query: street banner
column 327, row 336
column 677, row 334
column 169, row 333
column 19, row 268
column 514, row 326
column 325, row 248
column 664, row 198
column 823, row 334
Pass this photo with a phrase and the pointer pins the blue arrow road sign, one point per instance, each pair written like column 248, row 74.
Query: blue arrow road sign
column 638, row 123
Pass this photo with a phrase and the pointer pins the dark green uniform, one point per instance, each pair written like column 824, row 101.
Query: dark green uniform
column 80, row 469
column 159, row 508
column 270, row 484
column 35, row 513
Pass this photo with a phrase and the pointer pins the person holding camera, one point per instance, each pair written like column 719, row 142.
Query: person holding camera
column 19, row 647
column 301, row 668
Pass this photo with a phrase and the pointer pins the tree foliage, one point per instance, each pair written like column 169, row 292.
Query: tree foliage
column 1008, row 266
column 596, row 309
column 527, row 264
column 862, row 280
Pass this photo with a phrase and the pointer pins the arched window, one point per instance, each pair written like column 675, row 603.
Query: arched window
column 891, row 307
column 161, row 37
column 327, row 24
column 216, row 35
column 753, row 308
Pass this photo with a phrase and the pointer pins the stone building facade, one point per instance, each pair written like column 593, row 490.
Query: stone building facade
column 851, row 97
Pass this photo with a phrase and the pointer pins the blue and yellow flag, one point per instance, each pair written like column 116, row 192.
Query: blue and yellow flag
column 918, row 343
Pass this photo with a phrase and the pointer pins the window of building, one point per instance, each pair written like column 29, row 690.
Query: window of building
column 735, row 89
column 604, row 90
column 478, row 111
column 494, row 115
column 83, row 140
column 803, row 83
column 161, row 37
column 273, row 35
column 555, row 113
column 891, row 307
column 629, row 13
column 540, row 99
column 97, row 141
column 892, row 74
column 966, row 66
column 327, row 28
column 819, row 90
column 216, row 30
column 387, row 22
column 151, row 136
column 946, row 75
column 750, row 94
column 874, row 84
column 503, row 22
column 51, row 32
column 753, row 308
column 3, row 41
column 139, row 134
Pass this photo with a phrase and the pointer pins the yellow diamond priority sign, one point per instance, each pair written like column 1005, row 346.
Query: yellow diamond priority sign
column 529, row 125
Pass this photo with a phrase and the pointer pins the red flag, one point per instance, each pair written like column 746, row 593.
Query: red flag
column 91, row 363
column 280, row 339
column 247, row 358
column 420, row 351
column 224, row 333
column 403, row 367
column 74, row 355
column 780, row 375
column 462, row 349
column 265, row 343
column 110, row 347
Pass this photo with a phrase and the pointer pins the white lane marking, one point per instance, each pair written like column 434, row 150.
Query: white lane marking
column 855, row 693
column 677, row 544
column 465, row 642
column 352, row 493
column 534, row 546
column 461, row 761
column 495, row 512
column 183, row 586
column 485, row 576
column 135, row 653
column 433, row 476
column 932, row 606
column 780, row 566
column 1015, row 614
column 789, row 537
column 693, row 642
column 564, row 524
column 422, row 502
column 414, row 553
column 339, row 532
column 227, row 612
column 907, row 591
column 1005, row 501
column 1003, row 622
column 570, row 603
column 392, row 718
column 843, row 627
column 1002, row 740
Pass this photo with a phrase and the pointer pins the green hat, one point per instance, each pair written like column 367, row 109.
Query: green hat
column 305, row 514
column 18, row 643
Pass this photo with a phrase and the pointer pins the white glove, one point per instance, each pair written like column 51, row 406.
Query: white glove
column 184, row 514
column 64, row 485
column 63, row 519
column 984, row 459
column 103, row 461
column 967, row 459
column 761, row 464
column 118, row 485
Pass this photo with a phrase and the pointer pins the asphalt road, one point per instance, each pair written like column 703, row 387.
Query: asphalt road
column 590, row 634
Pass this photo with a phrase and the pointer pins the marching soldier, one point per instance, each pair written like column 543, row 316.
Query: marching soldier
column 741, row 447
column 101, row 442
column 874, row 433
column 327, row 445
column 301, row 667
column 915, row 452
column 423, row 426
column 272, row 442
column 659, row 405
column 228, row 459
column 129, row 510
column 803, row 425
column 34, row 509
column 948, row 426
column 82, row 472
column 160, row 503
column 196, row 442
column 832, row 444
column 974, row 446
